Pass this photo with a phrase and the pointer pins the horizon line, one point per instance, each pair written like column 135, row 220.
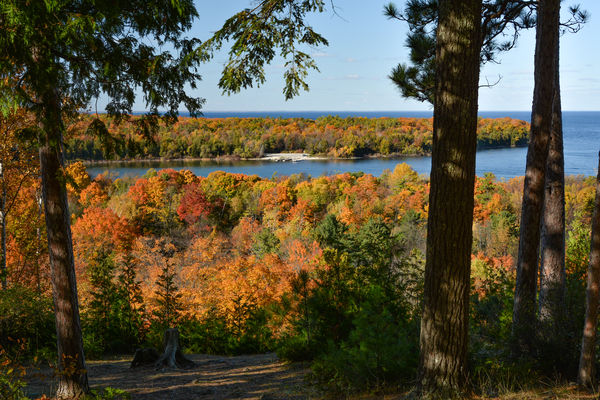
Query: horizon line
column 344, row 111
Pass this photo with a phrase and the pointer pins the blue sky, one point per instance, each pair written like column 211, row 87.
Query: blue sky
column 364, row 46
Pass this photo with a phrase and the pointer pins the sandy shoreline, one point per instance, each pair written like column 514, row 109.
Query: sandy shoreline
column 293, row 157
column 273, row 157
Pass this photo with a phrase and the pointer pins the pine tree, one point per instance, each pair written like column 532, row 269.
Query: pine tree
column 104, row 296
column 168, row 298
column 524, row 314
column 447, row 37
column 587, row 361
column 131, row 307
column 552, row 310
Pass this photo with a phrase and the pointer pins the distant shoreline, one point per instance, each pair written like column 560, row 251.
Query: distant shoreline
column 313, row 114
column 271, row 157
column 281, row 139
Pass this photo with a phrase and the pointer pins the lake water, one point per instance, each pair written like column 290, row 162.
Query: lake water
column 581, row 137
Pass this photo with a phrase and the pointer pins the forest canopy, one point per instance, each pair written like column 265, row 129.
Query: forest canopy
column 252, row 137
column 282, row 264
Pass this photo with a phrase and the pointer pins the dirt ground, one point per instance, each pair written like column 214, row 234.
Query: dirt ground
column 243, row 377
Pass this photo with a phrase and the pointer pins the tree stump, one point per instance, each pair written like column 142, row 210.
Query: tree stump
column 172, row 356
column 144, row 357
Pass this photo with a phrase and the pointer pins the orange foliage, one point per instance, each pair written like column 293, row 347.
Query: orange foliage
column 94, row 195
column 97, row 234
column 491, row 271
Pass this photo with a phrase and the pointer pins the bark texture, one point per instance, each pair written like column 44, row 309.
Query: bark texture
column 587, row 360
column 73, row 382
column 524, row 312
column 3, row 270
column 552, row 271
column 172, row 356
column 443, row 369
column 38, row 250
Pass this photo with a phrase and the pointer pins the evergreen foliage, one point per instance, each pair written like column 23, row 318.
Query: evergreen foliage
column 257, row 33
column 168, row 299
column 500, row 19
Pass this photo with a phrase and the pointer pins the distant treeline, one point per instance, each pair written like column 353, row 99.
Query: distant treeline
column 252, row 137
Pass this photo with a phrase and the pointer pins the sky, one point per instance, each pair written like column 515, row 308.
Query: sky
column 364, row 47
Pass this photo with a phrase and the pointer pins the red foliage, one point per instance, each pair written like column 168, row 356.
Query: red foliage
column 194, row 204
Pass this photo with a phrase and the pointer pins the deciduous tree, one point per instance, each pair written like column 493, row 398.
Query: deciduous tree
column 17, row 166
column 56, row 57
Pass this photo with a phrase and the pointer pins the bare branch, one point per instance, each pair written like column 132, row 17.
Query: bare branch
column 490, row 85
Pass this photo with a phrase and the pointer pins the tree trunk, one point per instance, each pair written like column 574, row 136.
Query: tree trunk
column 552, row 271
column 3, row 270
column 73, row 382
column 524, row 318
column 443, row 369
column 172, row 356
column 587, row 359
column 38, row 251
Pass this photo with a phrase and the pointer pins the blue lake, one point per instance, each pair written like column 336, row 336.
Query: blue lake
column 581, row 136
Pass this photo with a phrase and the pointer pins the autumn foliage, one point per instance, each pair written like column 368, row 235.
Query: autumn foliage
column 245, row 264
column 252, row 137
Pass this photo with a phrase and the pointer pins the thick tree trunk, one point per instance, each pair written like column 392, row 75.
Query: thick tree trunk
column 524, row 317
column 73, row 382
column 587, row 359
column 552, row 271
column 172, row 356
column 443, row 369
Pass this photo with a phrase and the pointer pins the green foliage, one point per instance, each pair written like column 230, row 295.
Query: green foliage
column 257, row 33
column 114, row 316
column 103, row 304
column 12, row 372
column 331, row 233
column 499, row 376
column 252, row 137
column 578, row 247
column 417, row 80
column 107, row 393
column 26, row 314
column 500, row 19
column 491, row 312
column 495, row 370
column 215, row 335
column 85, row 48
column 168, row 299
column 357, row 305
column 381, row 348
column 130, row 303
column 266, row 243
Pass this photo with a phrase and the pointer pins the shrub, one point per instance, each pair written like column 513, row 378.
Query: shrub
column 26, row 314
column 381, row 349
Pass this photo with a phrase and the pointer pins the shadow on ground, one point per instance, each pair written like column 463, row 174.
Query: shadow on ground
column 243, row 377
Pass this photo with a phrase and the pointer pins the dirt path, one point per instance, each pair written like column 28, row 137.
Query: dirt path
column 244, row 377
